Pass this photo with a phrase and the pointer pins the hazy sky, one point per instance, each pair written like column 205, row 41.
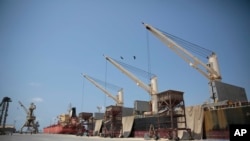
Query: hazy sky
column 45, row 45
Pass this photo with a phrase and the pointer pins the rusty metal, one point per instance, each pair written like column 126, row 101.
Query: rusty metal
column 112, row 121
column 86, row 124
column 30, row 119
column 171, row 104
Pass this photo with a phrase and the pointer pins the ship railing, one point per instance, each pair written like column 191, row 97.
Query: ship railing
column 225, row 104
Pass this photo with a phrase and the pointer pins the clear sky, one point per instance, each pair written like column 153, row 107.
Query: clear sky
column 45, row 45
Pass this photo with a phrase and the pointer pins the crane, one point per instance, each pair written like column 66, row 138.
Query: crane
column 212, row 67
column 210, row 70
column 4, row 106
column 30, row 118
column 152, row 89
column 118, row 99
column 24, row 108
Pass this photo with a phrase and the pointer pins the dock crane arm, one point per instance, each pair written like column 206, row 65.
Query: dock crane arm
column 117, row 100
column 130, row 75
column 212, row 67
column 25, row 109
column 152, row 89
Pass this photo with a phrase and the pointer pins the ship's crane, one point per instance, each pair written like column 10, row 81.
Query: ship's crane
column 30, row 118
column 118, row 99
column 4, row 106
column 152, row 89
column 210, row 70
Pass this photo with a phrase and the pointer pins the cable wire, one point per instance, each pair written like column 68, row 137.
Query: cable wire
column 203, row 52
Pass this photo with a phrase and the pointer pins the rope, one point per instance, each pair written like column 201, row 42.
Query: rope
column 148, row 51
column 82, row 95
column 149, row 64
column 144, row 74
column 203, row 52
column 106, row 84
column 106, row 70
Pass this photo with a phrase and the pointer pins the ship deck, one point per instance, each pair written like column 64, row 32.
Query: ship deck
column 53, row 137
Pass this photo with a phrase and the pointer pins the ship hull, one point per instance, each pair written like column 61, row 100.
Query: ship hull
column 217, row 122
column 213, row 123
column 58, row 129
column 141, row 126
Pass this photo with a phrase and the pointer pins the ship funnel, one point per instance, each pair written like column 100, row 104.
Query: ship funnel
column 73, row 112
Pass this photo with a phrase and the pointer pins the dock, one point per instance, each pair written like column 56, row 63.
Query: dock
column 61, row 137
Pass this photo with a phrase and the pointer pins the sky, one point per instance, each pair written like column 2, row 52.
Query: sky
column 45, row 45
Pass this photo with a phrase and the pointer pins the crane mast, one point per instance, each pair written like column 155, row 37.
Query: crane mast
column 152, row 89
column 4, row 107
column 118, row 99
column 210, row 70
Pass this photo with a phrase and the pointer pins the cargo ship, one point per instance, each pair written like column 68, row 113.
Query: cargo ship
column 173, row 121
column 207, row 121
column 217, row 120
column 66, row 124
column 165, row 115
column 142, row 123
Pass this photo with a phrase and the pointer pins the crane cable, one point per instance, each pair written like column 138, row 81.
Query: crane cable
column 140, row 72
column 149, row 63
column 203, row 52
column 105, row 85
column 148, row 59
column 82, row 104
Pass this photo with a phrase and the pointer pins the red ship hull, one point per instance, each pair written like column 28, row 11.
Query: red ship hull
column 59, row 129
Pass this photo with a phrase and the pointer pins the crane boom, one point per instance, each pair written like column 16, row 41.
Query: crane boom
column 212, row 67
column 25, row 109
column 130, row 75
column 152, row 89
column 118, row 99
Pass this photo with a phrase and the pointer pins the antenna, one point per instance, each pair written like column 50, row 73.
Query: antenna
column 69, row 108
